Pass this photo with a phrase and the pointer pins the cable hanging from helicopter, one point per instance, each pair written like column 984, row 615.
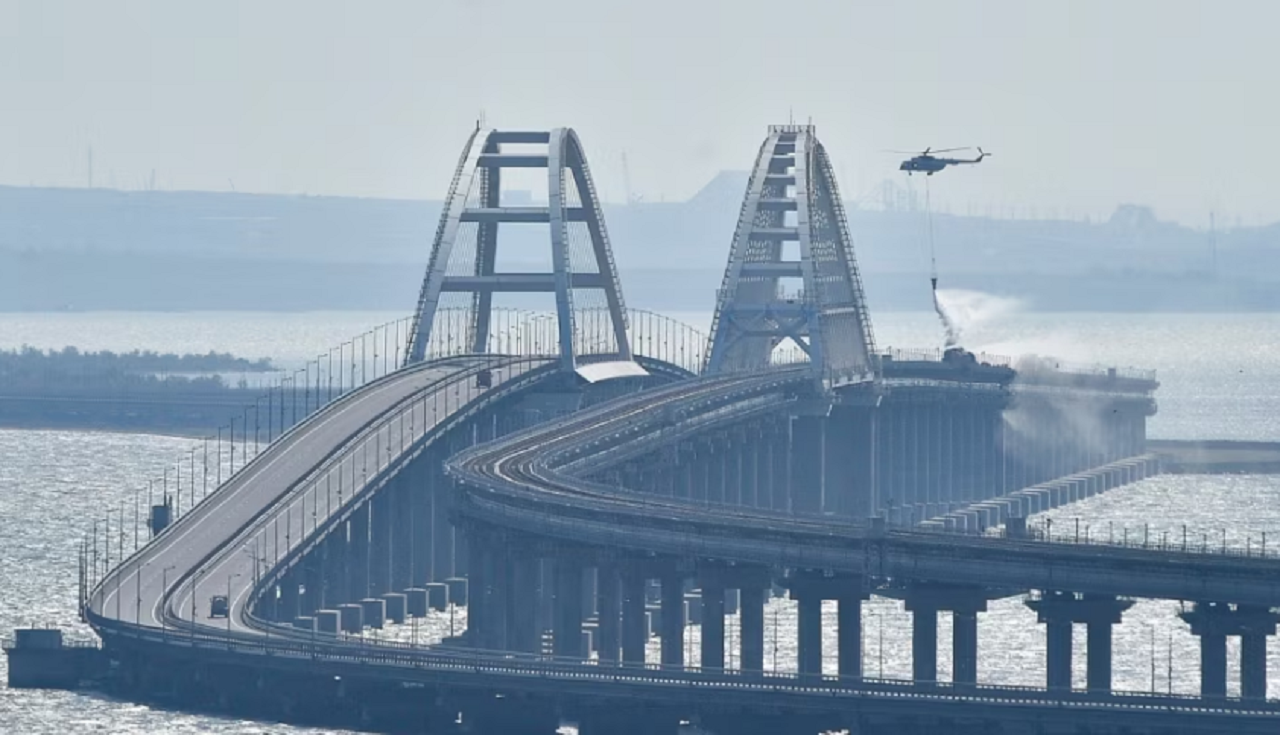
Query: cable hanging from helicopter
column 928, row 162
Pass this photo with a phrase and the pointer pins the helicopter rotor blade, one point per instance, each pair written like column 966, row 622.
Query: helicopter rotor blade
column 951, row 150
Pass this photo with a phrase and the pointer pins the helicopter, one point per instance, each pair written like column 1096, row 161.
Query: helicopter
column 930, row 164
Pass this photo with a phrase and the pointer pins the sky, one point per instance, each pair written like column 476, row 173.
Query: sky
column 1085, row 105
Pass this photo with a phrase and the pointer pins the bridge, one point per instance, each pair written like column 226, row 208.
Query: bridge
column 574, row 480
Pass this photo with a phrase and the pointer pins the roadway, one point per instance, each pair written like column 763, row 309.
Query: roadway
column 534, row 481
column 224, row 545
column 527, row 481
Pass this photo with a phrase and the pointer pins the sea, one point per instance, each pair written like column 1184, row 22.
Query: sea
column 1219, row 379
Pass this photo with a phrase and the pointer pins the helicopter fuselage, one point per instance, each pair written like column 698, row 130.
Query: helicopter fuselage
column 929, row 165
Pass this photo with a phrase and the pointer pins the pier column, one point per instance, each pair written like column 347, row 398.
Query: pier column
column 712, row 625
column 763, row 471
column 1253, row 665
column 672, row 619
column 567, row 618
column 312, row 581
column 420, row 528
column 751, row 637
column 924, row 602
column 634, row 632
column 924, row 643
column 732, row 452
column 837, row 464
column 1213, row 622
column 849, row 634
column 964, row 646
column 358, row 553
column 478, row 583
column 684, row 477
column 807, row 462
column 334, row 560
column 1058, row 611
column 809, row 633
column 750, row 459
column 608, row 605
column 403, row 545
column 442, row 532
column 523, row 632
column 287, row 604
column 380, row 543
column 780, row 468
column 1058, row 655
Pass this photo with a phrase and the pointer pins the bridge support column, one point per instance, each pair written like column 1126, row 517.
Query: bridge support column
column 380, row 543
column 442, row 531
column 964, row 647
column 807, row 462
column 1058, row 652
column 837, row 464
column 312, row 581
column 672, row 619
column 567, row 623
column 1213, row 622
column 712, row 625
column 608, row 609
column 924, row 642
column 403, row 546
column 523, row 633
column 850, row 457
column 964, row 603
column 684, row 475
column 732, row 453
column 287, row 604
column 358, row 554
column 780, row 468
column 1058, row 611
column 479, row 582
column 752, row 634
column 849, row 634
column 809, row 589
column 418, row 491
column 1253, row 665
column 809, row 634
column 334, row 558
column 634, row 632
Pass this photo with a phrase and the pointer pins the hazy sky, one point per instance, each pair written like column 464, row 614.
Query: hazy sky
column 1085, row 104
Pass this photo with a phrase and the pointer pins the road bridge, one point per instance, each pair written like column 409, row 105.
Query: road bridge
column 549, row 476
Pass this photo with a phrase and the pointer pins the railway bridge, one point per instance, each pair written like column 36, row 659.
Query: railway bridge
column 584, row 482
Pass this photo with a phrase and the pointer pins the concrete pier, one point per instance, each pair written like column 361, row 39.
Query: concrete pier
column 1058, row 611
column 1212, row 622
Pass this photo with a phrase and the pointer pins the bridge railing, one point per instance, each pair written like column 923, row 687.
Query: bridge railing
column 1185, row 540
